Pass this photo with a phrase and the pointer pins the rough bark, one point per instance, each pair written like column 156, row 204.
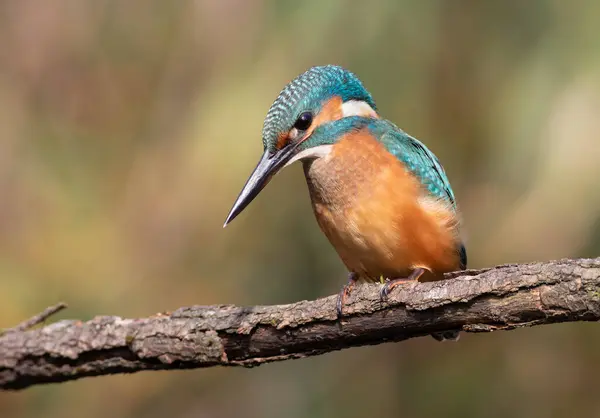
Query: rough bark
column 500, row 298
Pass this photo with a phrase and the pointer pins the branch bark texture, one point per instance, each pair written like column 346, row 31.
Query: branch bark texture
column 499, row 298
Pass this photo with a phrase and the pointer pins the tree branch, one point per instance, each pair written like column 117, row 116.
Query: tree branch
column 37, row 319
column 500, row 298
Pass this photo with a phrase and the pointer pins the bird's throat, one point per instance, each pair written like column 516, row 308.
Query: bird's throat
column 309, row 154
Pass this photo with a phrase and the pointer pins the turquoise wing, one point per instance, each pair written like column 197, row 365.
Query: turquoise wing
column 417, row 158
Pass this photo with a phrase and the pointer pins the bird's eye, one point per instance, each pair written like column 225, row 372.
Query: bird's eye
column 303, row 122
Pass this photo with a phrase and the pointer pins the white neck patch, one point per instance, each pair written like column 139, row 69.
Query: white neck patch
column 358, row 108
column 311, row 154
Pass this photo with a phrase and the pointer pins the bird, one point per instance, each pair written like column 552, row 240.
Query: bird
column 380, row 196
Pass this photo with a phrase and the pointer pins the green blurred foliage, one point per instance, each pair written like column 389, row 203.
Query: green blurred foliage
column 127, row 129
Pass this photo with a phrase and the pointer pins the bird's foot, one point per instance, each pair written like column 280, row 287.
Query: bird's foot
column 341, row 300
column 452, row 335
column 391, row 284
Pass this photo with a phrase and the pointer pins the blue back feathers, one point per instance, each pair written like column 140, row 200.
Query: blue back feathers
column 308, row 92
column 417, row 158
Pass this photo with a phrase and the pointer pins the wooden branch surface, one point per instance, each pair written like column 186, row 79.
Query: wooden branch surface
column 500, row 298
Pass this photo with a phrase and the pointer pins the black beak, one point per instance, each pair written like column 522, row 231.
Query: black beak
column 268, row 166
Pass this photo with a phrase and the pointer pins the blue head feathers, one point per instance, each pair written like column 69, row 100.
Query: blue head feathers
column 307, row 93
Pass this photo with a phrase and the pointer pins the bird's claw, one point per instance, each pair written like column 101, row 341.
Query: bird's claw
column 341, row 299
column 340, row 303
column 385, row 290
column 390, row 284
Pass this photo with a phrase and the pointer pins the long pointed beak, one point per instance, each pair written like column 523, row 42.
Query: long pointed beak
column 267, row 167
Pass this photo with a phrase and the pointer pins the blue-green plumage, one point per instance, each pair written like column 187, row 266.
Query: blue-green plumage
column 417, row 158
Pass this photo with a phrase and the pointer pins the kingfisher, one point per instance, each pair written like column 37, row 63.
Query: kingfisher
column 379, row 195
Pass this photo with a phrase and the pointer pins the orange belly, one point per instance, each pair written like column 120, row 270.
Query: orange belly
column 377, row 215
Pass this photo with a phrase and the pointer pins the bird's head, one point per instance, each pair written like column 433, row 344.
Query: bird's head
column 304, row 108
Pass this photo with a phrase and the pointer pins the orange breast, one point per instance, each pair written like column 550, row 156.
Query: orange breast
column 377, row 215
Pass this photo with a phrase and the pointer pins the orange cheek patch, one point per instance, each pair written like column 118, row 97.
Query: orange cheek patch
column 282, row 139
column 332, row 110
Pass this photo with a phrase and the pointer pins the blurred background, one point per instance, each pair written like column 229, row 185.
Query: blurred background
column 127, row 129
